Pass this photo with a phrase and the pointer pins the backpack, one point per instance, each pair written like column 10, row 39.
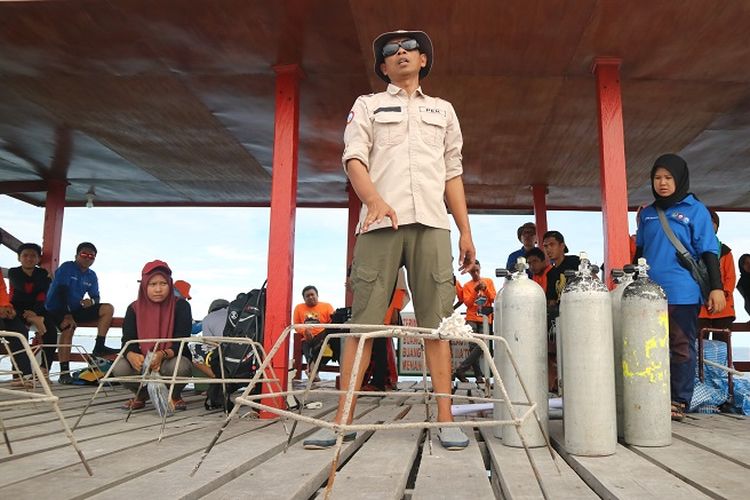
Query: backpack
column 245, row 318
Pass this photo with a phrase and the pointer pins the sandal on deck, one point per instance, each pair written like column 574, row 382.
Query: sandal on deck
column 134, row 404
column 179, row 404
column 678, row 411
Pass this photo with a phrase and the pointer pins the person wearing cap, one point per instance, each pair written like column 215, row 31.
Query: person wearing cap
column 556, row 251
column 402, row 155
column 527, row 236
column 690, row 223
column 73, row 298
column 182, row 289
column 156, row 314
column 216, row 319
column 723, row 319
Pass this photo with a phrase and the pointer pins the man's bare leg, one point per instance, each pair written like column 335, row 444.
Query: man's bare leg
column 106, row 312
column 439, row 362
column 66, row 339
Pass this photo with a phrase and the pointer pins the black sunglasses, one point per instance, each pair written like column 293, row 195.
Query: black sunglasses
column 391, row 48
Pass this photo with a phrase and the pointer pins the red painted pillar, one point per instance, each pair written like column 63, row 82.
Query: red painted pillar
column 351, row 238
column 53, row 223
column 612, row 164
column 281, row 235
column 539, row 193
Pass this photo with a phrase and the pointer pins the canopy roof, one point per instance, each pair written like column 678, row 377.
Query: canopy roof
column 172, row 102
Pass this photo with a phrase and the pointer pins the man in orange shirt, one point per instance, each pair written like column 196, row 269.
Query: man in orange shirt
column 478, row 295
column 725, row 318
column 312, row 311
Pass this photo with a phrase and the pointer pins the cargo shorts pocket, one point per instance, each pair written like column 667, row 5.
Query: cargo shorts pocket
column 445, row 290
column 363, row 281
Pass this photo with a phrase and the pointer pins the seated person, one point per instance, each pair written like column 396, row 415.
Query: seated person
column 212, row 326
column 28, row 291
column 156, row 314
column 12, row 323
column 216, row 319
column 68, row 306
column 312, row 311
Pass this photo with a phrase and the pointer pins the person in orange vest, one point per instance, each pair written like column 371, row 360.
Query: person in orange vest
column 538, row 266
column 724, row 318
column 478, row 295
column 312, row 311
column 382, row 374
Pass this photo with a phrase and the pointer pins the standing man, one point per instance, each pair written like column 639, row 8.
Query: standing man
column 478, row 295
column 68, row 303
column 527, row 236
column 312, row 311
column 402, row 155
column 554, row 246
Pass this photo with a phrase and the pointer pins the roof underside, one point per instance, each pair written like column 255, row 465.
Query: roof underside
column 172, row 102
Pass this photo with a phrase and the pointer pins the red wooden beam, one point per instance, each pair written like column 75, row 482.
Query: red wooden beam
column 11, row 187
column 614, row 182
column 539, row 193
column 53, row 223
column 281, row 235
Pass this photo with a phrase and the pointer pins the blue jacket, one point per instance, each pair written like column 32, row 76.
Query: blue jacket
column 691, row 223
column 69, row 286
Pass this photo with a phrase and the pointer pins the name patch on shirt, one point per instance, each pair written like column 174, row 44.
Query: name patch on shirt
column 425, row 109
column 392, row 109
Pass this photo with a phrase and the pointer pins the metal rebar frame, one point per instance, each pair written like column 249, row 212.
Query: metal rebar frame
column 26, row 397
column 79, row 349
column 149, row 376
column 368, row 332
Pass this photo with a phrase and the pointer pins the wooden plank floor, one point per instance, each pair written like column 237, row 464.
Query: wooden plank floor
column 709, row 457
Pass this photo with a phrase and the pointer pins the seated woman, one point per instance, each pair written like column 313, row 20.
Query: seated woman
column 156, row 314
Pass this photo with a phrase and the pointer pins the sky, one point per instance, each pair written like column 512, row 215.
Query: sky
column 223, row 251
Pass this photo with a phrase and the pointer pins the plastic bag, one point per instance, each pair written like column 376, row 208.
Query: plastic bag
column 157, row 391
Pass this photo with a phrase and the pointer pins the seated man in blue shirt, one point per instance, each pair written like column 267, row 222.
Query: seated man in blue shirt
column 68, row 305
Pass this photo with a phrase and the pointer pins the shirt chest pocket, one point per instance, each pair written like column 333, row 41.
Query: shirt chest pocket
column 389, row 128
column 432, row 128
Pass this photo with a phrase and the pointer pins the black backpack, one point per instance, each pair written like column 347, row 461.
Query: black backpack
column 245, row 318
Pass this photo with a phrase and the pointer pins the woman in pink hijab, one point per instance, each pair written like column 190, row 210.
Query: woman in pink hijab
column 156, row 314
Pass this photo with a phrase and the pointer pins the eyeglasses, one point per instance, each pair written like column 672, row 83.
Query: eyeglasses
column 391, row 48
column 87, row 255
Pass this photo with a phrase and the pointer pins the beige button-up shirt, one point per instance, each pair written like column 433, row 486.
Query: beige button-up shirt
column 411, row 145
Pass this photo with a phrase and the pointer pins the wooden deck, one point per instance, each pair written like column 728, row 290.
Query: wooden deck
column 710, row 457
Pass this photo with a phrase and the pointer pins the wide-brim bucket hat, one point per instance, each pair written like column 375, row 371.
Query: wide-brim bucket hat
column 425, row 47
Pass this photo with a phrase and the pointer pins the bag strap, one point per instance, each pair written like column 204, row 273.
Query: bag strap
column 671, row 236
